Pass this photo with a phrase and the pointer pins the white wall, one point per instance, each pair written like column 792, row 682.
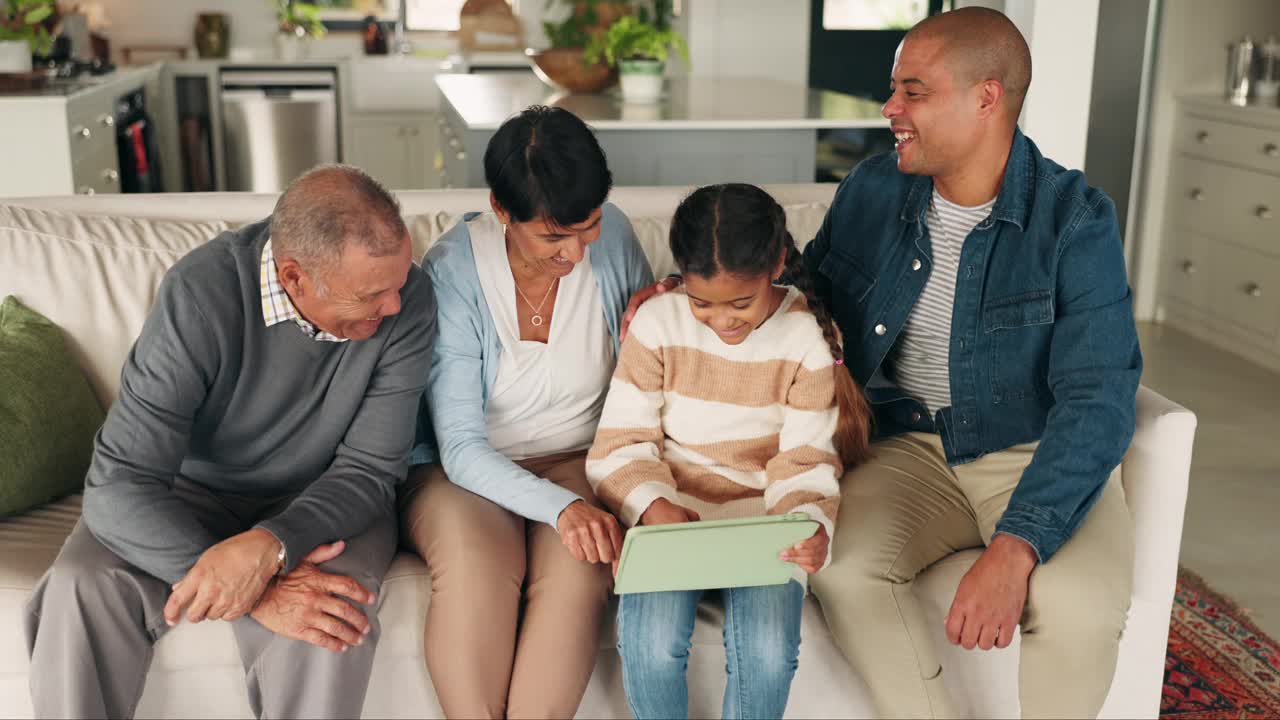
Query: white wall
column 1190, row 58
column 1062, row 36
column 747, row 38
column 172, row 22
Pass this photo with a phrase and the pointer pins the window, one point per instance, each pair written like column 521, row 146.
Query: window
column 419, row 14
column 873, row 14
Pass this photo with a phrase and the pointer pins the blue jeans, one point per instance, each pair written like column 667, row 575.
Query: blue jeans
column 761, row 646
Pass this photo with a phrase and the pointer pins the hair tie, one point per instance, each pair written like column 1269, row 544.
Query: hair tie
column 840, row 361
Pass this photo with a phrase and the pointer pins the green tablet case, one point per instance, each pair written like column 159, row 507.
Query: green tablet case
column 741, row 552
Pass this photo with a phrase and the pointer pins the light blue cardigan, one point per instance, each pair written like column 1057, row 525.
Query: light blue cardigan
column 465, row 365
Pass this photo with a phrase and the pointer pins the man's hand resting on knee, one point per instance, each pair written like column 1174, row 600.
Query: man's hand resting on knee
column 227, row 580
column 988, row 604
column 312, row 605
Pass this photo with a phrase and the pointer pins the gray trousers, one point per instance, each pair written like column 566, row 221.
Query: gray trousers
column 94, row 618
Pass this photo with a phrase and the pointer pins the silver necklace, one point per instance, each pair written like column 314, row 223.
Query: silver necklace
column 536, row 320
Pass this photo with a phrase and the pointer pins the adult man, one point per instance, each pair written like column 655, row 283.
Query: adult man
column 982, row 295
column 981, row 292
column 247, row 471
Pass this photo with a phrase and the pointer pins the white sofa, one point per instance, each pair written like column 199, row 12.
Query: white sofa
column 95, row 272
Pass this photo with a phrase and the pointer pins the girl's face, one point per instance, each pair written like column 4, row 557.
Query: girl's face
column 731, row 305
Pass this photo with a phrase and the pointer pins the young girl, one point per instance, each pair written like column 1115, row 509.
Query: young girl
column 729, row 400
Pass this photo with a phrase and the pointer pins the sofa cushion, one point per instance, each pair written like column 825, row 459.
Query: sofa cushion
column 94, row 276
column 48, row 414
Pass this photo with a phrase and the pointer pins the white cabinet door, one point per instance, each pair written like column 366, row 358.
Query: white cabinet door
column 396, row 149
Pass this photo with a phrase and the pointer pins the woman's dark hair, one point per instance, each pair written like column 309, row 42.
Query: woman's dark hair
column 741, row 230
column 546, row 163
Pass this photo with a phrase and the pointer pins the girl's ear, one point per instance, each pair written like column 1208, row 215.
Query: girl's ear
column 780, row 267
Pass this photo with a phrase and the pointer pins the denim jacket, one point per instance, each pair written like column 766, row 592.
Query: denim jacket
column 1043, row 343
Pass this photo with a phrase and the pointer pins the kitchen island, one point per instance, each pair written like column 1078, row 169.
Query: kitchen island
column 703, row 130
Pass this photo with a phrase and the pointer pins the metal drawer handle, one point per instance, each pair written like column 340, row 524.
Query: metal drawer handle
column 1202, row 137
column 1271, row 150
column 85, row 190
column 1263, row 212
column 462, row 155
column 1196, row 193
column 83, row 132
column 111, row 176
column 1189, row 267
column 1253, row 290
column 106, row 120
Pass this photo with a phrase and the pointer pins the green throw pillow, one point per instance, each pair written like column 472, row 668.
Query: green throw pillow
column 48, row 413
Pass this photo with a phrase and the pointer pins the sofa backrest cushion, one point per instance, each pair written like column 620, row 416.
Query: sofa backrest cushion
column 95, row 275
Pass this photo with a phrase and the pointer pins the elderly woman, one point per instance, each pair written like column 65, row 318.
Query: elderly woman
column 530, row 297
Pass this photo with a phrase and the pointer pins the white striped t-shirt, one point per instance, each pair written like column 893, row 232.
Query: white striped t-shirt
column 919, row 359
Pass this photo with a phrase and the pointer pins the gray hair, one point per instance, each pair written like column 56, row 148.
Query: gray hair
column 329, row 206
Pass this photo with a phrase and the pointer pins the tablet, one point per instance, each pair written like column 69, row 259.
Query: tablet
column 710, row 554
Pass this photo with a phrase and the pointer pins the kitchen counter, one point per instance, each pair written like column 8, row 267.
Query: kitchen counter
column 62, row 91
column 704, row 130
column 484, row 101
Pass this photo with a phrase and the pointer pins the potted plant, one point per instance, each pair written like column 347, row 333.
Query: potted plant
column 639, row 49
column 297, row 21
column 562, row 65
column 22, row 33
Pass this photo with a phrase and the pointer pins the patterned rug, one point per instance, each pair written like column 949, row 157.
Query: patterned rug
column 1220, row 666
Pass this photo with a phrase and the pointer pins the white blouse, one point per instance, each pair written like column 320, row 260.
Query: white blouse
column 548, row 396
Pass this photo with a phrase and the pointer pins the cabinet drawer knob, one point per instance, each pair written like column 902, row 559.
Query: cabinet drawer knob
column 1189, row 267
column 1253, row 290
column 1197, row 193
column 1263, row 212
column 1202, row 137
column 1271, row 150
column 82, row 132
column 106, row 120
column 462, row 155
column 84, row 190
column 111, row 176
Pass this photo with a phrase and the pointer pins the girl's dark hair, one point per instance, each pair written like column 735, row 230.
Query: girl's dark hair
column 546, row 163
column 740, row 229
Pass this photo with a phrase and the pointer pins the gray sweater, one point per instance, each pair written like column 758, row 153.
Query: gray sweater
column 211, row 394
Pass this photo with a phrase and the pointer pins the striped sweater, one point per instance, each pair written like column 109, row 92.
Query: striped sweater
column 724, row 430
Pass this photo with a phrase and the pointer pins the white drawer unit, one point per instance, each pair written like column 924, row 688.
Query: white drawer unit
column 1220, row 277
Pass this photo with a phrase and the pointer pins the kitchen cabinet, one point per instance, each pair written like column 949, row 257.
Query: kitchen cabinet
column 397, row 149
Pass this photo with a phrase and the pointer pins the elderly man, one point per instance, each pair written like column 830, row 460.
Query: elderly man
column 982, row 295
column 247, row 471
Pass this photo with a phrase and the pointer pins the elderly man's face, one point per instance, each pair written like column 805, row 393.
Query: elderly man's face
column 355, row 295
column 934, row 119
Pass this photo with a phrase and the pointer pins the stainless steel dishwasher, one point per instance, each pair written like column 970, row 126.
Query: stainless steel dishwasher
column 277, row 124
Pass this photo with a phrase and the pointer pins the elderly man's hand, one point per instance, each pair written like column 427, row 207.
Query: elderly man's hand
column 988, row 604
column 314, row 606
column 671, row 282
column 227, row 580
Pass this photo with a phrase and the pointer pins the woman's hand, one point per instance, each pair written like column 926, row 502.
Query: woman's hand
column 664, row 512
column 591, row 534
column 809, row 554
column 671, row 282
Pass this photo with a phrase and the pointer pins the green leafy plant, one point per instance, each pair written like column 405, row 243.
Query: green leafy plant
column 299, row 18
column 21, row 20
column 631, row 38
column 580, row 26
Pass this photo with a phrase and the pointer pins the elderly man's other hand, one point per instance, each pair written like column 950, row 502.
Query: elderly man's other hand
column 314, row 606
column 671, row 282
column 227, row 580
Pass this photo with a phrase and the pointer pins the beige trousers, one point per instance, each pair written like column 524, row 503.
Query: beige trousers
column 904, row 510
column 488, row 656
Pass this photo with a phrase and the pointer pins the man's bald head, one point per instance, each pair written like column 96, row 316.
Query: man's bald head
column 982, row 44
column 329, row 206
